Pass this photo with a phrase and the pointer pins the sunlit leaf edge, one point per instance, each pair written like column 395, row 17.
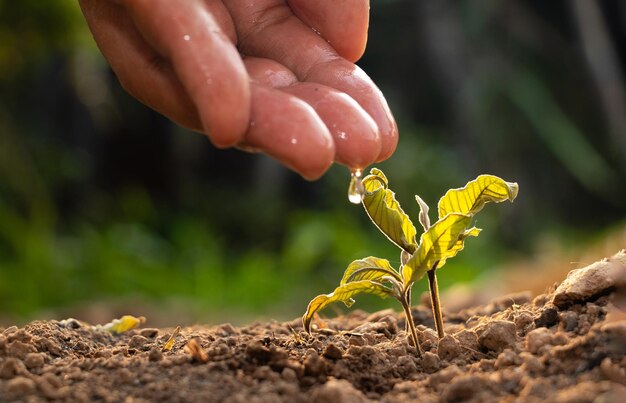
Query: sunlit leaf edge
column 486, row 190
column 341, row 294
column 386, row 213
column 358, row 269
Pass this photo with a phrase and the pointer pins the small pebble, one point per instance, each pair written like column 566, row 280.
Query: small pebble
column 149, row 333
column 356, row 340
column 137, row 342
column 548, row 317
column 332, row 352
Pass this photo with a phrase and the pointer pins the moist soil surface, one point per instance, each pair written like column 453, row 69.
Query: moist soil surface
column 567, row 345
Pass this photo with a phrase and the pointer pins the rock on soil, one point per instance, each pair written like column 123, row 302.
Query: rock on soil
column 564, row 346
column 592, row 281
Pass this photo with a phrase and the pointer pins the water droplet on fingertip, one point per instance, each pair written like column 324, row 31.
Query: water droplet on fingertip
column 356, row 189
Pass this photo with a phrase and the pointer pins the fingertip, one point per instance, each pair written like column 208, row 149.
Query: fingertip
column 349, row 78
column 389, row 142
column 354, row 132
column 225, row 125
column 289, row 130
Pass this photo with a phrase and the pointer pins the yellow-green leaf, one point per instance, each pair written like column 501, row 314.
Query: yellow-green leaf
column 385, row 211
column 472, row 198
column 124, row 324
column 170, row 341
column 436, row 244
column 370, row 268
column 343, row 293
column 458, row 245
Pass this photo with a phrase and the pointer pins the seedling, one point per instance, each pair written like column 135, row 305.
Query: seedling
column 439, row 242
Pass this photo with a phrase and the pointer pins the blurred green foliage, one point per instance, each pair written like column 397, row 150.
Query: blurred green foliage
column 101, row 198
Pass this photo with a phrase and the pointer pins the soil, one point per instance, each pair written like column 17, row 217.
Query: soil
column 567, row 345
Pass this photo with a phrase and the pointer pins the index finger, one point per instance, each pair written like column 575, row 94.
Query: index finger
column 191, row 37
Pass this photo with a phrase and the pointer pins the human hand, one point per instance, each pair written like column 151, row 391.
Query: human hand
column 275, row 76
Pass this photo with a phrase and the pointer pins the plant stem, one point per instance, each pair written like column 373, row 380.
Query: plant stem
column 409, row 320
column 407, row 298
column 434, row 301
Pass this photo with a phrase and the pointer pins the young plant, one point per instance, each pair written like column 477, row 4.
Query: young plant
column 439, row 242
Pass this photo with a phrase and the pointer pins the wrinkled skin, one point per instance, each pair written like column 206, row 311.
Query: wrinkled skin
column 276, row 76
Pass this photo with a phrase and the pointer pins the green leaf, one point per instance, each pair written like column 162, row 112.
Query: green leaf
column 385, row 211
column 370, row 268
column 472, row 198
column 436, row 244
column 343, row 293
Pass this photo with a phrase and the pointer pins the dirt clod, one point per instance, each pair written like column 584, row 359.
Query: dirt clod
column 430, row 362
column 507, row 358
column 498, row 335
column 464, row 388
column 548, row 317
column 19, row 349
column 20, row 386
column 338, row 390
column 537, row 339
column 34, row 360
column 448, row 348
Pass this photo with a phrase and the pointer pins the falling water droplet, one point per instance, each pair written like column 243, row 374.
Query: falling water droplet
column 356, row 189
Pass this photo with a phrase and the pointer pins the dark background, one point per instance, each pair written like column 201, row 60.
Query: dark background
column 105, row 205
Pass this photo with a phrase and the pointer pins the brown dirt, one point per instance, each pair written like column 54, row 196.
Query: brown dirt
column 567, row 345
